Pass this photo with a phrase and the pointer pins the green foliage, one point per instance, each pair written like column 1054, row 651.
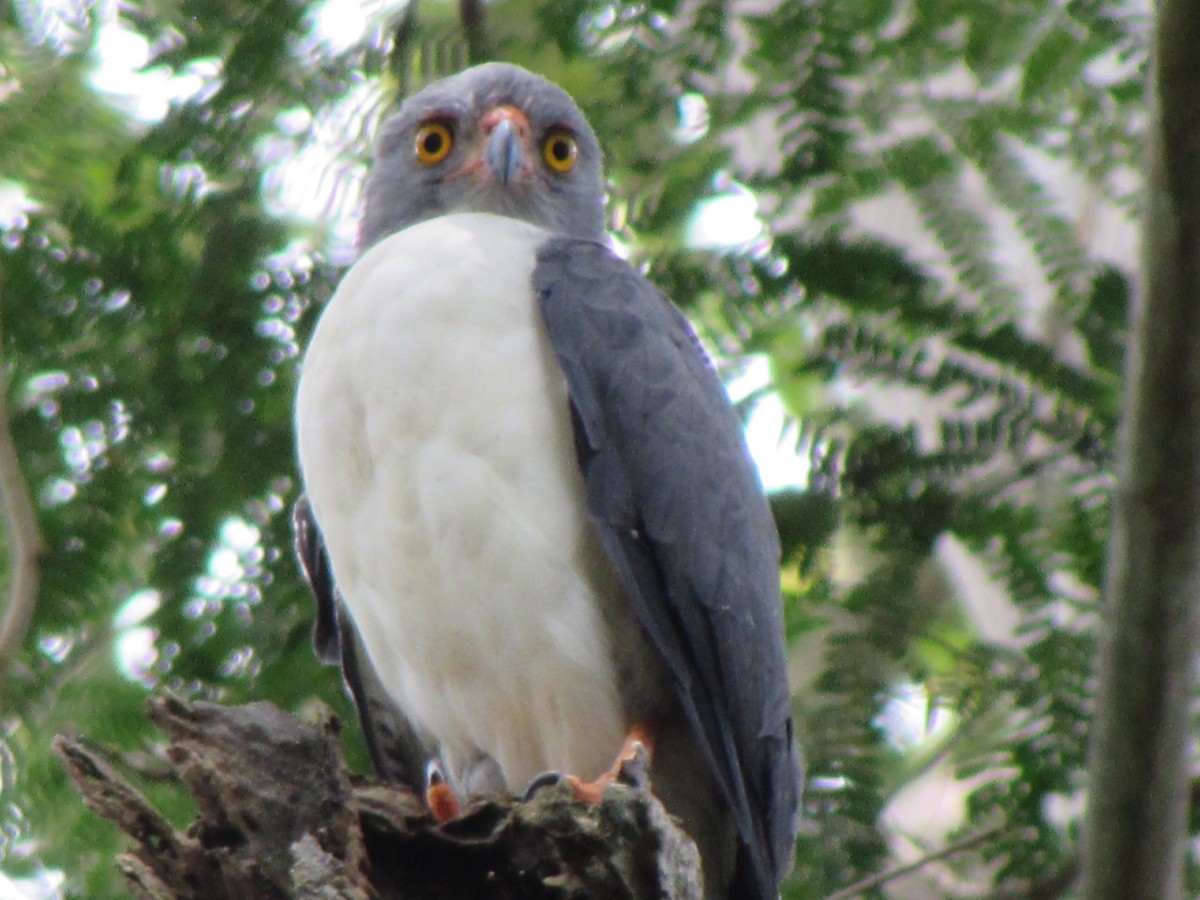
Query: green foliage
column 936, row 319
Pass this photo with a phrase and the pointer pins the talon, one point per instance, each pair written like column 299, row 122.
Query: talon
column 439, row 796
column 545, row 780
column 632, row 767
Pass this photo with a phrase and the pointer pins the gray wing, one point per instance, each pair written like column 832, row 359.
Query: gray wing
column 398, row 751
column 673, row 492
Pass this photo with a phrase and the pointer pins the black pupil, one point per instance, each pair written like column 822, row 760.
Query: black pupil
column 560, row 149
column 432, row 143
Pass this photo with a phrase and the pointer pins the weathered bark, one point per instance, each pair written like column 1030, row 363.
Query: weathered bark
column 1136, row 830
column 280, row 817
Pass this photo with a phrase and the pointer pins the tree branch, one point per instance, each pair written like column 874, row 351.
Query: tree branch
column 874, row 881
column 473, row 16
column 25, row 545
column 279, row 817
column 1135, row 835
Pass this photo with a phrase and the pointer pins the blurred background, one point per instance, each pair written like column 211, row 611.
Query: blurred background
column 903, row 229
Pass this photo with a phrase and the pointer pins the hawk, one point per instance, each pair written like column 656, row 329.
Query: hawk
column 532, row 523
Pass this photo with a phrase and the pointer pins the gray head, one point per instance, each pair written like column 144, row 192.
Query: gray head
column 494, row 138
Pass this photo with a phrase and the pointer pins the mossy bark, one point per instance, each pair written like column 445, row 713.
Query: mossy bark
column 279, row 816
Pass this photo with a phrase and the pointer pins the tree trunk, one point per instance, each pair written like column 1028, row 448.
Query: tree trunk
column 1136, row 828
column 280, row 817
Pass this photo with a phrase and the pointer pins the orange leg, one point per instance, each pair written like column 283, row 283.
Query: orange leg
column 640, row 740
column 439, row 796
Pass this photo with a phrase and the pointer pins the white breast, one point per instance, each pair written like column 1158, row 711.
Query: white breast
column 436, row 449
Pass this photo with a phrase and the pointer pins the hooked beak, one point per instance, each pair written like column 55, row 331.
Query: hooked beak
column 506, row 149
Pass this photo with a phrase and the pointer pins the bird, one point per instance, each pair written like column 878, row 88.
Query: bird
column 537, row 538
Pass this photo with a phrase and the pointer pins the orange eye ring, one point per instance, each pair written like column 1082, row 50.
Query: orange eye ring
column 433, row 144
column 560, row 151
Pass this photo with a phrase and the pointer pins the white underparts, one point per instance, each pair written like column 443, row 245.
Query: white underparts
column 436, row 449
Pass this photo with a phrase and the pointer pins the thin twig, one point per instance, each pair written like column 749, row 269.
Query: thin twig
column 473, row 16
column 874, row 881
column 25, row 545
column 404, row 42
column 1050, row 886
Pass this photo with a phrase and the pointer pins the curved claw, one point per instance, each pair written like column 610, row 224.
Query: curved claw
column 633, row 769
column 545, row 780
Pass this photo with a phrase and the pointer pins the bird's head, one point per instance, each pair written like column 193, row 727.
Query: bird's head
column 494, row 138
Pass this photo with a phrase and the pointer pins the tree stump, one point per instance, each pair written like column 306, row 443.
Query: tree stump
column 279, row 816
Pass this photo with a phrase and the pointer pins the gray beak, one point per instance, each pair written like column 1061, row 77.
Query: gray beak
column 503, row 154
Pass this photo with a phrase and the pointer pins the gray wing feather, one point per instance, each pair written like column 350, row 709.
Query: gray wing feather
column 397, row 749
column 674, row 495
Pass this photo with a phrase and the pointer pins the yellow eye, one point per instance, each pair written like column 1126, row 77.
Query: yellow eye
column 434, row 142
column 560, row 150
